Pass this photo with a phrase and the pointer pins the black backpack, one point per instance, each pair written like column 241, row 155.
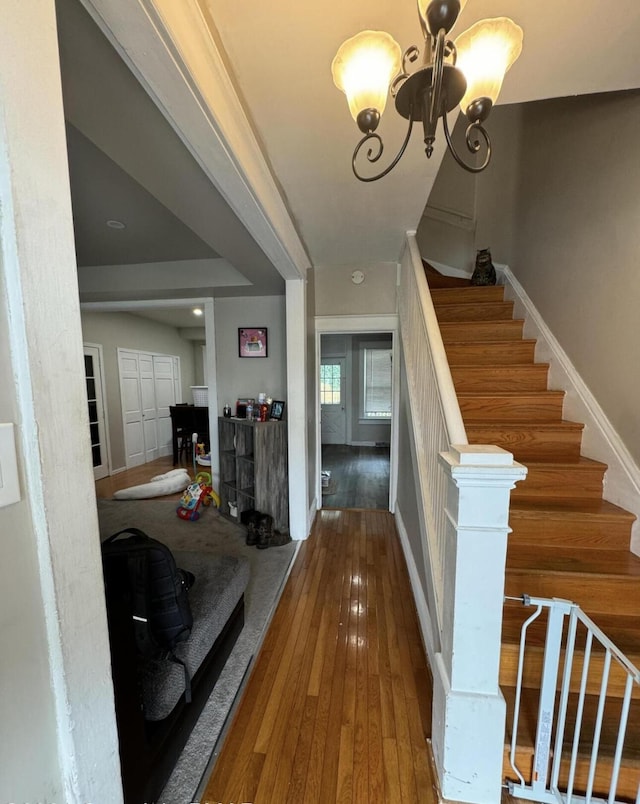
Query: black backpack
column 157, row 590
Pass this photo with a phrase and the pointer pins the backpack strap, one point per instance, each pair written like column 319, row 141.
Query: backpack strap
column 139, row 534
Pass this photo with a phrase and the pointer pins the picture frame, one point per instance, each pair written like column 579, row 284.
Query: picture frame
column 277, row 410
column 252, row 342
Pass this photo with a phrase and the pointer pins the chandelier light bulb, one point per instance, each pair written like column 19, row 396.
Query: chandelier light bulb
column 363, row 68
column 485, row 53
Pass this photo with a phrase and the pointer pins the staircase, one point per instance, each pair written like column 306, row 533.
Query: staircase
column 567, row 541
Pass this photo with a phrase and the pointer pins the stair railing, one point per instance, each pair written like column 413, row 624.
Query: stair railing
column 567, row 756
column 463, row 497
column 435, row 410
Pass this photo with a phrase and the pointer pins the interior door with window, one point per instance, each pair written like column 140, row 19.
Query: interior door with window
column 95, row 400
column 333, row 414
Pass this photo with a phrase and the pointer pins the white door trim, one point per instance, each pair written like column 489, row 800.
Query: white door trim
column 361, row 324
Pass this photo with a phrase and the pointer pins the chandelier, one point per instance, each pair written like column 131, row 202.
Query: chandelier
column 468, row 71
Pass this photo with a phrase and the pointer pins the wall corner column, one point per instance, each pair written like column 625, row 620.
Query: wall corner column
column 468, row 706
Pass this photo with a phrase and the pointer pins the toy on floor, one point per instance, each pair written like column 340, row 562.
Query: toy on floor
column 202, row 458
column 197, row 494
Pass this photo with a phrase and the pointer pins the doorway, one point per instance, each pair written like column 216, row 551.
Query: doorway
column 356, row 390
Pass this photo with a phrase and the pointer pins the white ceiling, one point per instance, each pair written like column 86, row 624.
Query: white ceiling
column 281, row 51
column 278, row 58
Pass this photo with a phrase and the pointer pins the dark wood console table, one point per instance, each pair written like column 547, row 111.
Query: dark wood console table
column 189, row 419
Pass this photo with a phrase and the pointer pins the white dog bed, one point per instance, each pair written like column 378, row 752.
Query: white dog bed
column 168, row 483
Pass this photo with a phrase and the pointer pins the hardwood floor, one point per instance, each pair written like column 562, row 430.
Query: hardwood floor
column 359, row 476
column 338, row 705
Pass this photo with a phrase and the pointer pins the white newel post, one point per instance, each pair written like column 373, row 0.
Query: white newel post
column 468, row 708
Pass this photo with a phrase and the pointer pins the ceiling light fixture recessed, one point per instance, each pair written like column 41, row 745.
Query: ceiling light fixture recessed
column 197, row 311
column 468, row 72
column 113, row 224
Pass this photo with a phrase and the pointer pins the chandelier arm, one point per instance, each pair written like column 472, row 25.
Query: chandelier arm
column 436, row 79
column 472, row 145
column 374, row 157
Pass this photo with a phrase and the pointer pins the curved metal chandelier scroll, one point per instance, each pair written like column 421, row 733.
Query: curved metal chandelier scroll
column 428, row 95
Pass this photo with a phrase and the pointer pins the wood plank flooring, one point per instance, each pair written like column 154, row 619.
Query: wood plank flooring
column 359, row 476
column 338, row 704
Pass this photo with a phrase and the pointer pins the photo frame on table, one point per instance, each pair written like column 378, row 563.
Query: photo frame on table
column 252, row 342
column 277, row 410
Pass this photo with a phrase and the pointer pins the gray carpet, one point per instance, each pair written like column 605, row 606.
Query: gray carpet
column 211, row 534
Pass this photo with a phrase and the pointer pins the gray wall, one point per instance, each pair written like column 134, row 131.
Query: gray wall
column 247, row 377
column 128, row 331
column 28, row 752
column 559, row 204
column 336, row 294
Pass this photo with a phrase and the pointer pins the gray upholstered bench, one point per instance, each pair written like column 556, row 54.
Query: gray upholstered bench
column 154, row 720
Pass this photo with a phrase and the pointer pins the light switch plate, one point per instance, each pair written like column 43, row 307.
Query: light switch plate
column 9, row 484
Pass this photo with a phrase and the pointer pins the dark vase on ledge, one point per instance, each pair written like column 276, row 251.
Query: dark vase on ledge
column 484, row 273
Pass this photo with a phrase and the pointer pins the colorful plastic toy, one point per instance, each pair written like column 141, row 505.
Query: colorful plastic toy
column 196, row 494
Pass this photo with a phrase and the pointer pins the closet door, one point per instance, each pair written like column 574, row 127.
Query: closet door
column 131, row 399
column 164, row 389
column 149, row 407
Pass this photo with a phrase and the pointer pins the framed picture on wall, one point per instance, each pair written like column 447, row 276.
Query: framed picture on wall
column 252, row 342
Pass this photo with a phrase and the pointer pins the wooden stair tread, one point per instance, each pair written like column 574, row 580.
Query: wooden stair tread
column 476, row 331
column 471, row 293
column 587, row 562
column 571, row 509
column 528, row 718
column 471, row 312
column 562, row 424
column 581, row 463
column 487, row 353
column 623, row 630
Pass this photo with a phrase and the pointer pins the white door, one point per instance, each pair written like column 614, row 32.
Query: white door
column 95, row 400
column 333, row 413
column 131, row 407
column 149, row 408
column 164, row 389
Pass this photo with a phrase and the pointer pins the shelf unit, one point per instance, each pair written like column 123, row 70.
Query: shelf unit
column 253, row 469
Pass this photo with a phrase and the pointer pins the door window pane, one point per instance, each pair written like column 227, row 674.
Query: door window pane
column 330, row 381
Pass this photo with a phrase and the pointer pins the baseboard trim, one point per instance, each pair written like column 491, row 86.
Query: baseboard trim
column 600, row 440
column 426, row 629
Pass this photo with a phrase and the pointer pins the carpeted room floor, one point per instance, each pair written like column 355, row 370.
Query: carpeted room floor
column 269, row 568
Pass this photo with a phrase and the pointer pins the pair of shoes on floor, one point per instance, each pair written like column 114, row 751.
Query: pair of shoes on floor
column 260, row 532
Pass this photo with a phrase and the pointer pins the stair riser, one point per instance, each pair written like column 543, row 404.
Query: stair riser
column 491, row 353
column 473, row 295
column 532, row 671
column 530, row 444
column 553, row 483
column 550, row 532
column 545, row 407
column 475, row 332
column 596, row 595
column 627, row 780
column 495, row 311
column 513, row 379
